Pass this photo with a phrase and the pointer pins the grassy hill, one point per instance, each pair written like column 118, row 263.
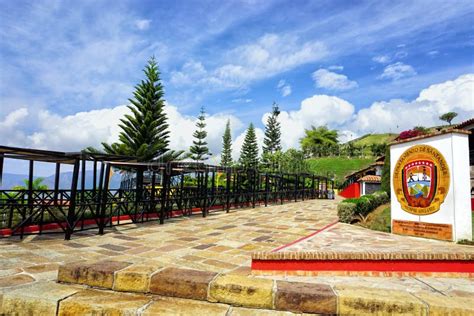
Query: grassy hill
column 370, row 139
column 339, row 166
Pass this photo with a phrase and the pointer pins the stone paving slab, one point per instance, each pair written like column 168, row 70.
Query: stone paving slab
column 363, row 301
column 308, row 295
column 94, row 302
column 35, row 299
column 344, row 241
column 228, row 249
column 222, row 242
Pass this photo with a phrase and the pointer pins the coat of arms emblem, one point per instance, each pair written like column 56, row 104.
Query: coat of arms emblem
column 421, row 180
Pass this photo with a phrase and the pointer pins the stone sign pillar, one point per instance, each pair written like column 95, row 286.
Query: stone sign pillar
column 430, row 186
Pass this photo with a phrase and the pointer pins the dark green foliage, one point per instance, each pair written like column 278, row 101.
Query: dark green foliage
column 346, row 212
column 36, row 185
column 378, row 149
column 249, row 152
column 291, row 161
column 272, row 140
column 423, row 130
column 319, row 142
column 448, row 117
column 385, row 182
column 199, row 150
column 145, row 132
column 226, row 156
column 362, row 206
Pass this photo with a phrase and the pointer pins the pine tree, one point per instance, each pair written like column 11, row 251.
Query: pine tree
column 145, row 131
column 272, row 140
column 249, row 151
column 226, row 156
column 199, row 150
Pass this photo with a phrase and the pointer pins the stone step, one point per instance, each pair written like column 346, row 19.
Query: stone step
column 50, row 298
column 235, row 291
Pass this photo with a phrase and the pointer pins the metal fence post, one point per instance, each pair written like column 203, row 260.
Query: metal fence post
column 228, row 180
column 104, row 197
column 72, row 203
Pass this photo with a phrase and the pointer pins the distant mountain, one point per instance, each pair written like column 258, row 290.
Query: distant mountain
column 65, row 178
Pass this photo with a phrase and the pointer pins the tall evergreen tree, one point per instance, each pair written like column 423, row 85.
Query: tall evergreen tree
column 249, row 151
column 226, row 155
column 145, row 131
column 199, row 149
column 272, row 140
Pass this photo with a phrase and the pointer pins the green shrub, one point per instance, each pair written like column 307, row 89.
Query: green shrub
column 364, row 206
column 382, row 197
column 367, row 203
column 346, row 212
column 351, row 200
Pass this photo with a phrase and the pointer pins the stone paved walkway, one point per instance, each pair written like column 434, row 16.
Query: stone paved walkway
column 220, row 243
column 350, row 239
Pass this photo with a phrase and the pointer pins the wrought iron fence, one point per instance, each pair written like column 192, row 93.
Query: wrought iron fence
column 32, row 211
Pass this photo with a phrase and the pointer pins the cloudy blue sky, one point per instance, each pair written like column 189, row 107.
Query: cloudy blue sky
column 68, row 67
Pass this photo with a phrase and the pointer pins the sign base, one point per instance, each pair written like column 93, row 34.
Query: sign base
column 421, row 229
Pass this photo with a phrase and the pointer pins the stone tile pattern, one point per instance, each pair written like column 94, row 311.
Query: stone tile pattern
column 227, row 290
column 221, row 242
column 344, row 241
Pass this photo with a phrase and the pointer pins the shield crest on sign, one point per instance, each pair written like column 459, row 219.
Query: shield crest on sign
column 419, row 182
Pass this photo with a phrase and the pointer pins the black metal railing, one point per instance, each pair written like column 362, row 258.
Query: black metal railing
column 158, row 192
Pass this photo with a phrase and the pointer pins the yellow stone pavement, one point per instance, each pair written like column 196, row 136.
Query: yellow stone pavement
column 221, row 242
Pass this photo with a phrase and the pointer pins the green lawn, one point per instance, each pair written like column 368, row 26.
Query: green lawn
column 337, row 166
column 381, row 220
column 370, row 139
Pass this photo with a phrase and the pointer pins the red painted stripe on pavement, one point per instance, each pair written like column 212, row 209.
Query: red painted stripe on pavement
column 306, row 237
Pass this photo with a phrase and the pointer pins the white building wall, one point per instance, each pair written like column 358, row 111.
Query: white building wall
column 456, row 209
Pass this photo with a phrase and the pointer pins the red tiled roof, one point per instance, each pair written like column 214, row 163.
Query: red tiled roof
column 465, row 123
column 371, row 178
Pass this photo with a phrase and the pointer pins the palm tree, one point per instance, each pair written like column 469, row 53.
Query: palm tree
column 318, row 141
column 36, row 185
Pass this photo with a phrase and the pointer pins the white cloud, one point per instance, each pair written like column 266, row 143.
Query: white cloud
column 13, row 118
column 284, row 88
column 397, row 71
column 397, row 115
column 401, row 54
column 382, row 59
column 142, row 24
column 267, row 56
column 324, row 78
column 451, row 94
column 83, row 129
column 190, row 73
column 316, row 110
column 240, row 100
